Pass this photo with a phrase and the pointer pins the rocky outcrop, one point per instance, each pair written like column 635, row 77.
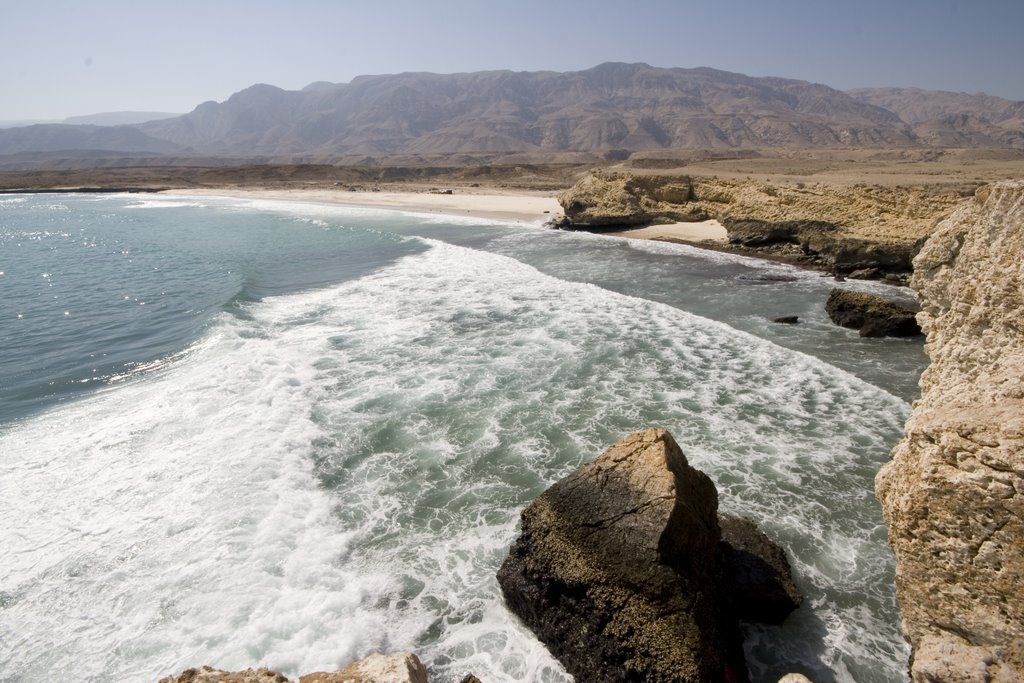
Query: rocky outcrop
column 868, row 231
column 619, row 569
column 377, row 668
column 616, row 199
column 953, row 493
column 871, row 315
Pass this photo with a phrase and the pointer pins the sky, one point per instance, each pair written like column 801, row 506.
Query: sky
column 68, row 58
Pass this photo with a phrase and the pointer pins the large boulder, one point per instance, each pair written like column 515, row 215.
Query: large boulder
column 953, row 493
column 871, row 315
column 619, row 566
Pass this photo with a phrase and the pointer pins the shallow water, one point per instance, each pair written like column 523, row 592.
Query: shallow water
column 291, row 435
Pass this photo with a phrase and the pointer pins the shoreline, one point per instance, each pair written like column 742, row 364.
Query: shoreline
column 517, row 207
column 487, row 203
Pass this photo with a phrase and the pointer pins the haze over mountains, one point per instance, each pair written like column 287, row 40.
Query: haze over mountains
column 609, row 109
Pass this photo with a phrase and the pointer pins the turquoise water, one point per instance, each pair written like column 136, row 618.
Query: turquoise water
column 239, row 432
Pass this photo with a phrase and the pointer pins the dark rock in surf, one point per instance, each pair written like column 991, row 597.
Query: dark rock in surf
column 787, row 319
column 619, row 569
column 872, row 315
column 767, row 278
column 757, row 572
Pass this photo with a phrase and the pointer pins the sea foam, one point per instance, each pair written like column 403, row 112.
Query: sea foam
column 340, row 471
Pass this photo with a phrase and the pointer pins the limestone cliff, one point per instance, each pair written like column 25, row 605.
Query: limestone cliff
column 953, row 494
column 844, row 228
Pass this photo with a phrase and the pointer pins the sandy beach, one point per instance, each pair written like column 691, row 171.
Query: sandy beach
column 517, row 206
column 703, row 231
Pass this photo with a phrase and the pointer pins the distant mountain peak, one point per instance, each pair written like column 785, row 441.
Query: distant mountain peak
column 612, row 107
column 319, row 86
column 118, row 118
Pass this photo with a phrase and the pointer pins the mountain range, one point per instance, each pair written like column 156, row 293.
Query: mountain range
column 610, row 109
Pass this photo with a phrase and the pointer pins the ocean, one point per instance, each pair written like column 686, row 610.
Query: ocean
column 243, row 432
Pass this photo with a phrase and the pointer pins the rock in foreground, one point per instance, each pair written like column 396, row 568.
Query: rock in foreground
column 207, row 674
column 871, row 315
column 953, row 494
column 618, row 569
column 377, row 668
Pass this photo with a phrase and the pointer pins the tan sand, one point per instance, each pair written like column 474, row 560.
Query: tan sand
column 704, row 231
column 521, row 206
column 517, row 206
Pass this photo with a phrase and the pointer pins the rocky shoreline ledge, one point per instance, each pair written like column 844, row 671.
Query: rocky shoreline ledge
column 858, row 232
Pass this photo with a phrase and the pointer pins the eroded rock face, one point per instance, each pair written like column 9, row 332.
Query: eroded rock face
column 618, row 569
column 871, row 315
column 953, row 494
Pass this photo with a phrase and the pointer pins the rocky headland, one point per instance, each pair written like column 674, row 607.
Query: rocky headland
column 856, row 231
column 626, row 572
column 953, row 493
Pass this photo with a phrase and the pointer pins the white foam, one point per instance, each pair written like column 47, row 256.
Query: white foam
column 518, row 351
column 188, row 528
column 343, row 472
column 165, row 202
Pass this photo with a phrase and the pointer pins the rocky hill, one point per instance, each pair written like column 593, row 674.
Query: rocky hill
column 612, row 106
column 950, row 119
column 612, row 109
column 953, row 494
column 55, row 137
column 117, row 118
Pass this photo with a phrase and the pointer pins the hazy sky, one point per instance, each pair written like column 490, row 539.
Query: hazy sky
column 60, row 59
